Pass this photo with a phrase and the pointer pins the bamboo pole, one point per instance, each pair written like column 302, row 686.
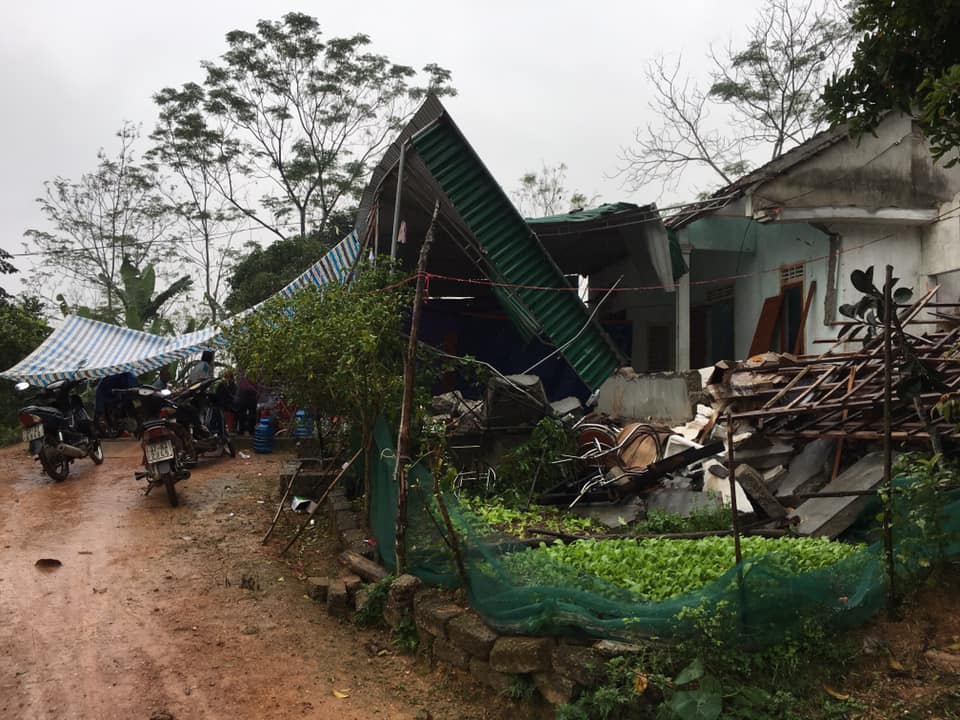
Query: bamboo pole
column 887, row 442
column 406, row 407
column 731, row 470
column 318, row 503
column 396, row 204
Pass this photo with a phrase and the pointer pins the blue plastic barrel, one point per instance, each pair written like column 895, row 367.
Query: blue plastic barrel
column 263, row 436
column 303, row 424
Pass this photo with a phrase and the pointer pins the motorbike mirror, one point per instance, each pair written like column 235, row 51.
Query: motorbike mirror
column 21, row 386
column 166, row 392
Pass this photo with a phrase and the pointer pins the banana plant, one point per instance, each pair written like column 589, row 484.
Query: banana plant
column 141, row 306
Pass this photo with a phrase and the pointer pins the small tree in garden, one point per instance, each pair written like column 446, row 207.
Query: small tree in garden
column 339, row 350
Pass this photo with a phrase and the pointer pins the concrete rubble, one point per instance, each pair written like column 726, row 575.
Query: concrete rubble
column 659, row 441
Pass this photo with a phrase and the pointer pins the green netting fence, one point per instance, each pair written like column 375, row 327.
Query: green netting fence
column 768, row 603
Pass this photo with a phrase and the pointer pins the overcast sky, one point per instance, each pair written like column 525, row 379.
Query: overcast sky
column 538, row 81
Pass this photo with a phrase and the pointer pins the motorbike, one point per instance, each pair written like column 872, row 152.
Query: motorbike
column 165, row 443
column 199, row 410
column 58, row 429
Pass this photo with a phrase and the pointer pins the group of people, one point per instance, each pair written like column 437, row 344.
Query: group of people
column 237, row 398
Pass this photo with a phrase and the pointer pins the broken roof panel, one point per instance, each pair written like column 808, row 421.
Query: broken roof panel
column 513, row 251
column 587, row 240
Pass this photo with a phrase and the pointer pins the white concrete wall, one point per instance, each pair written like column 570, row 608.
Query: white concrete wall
column 879, row 246
column 949, row 287
column 642, row 308
column 891, row 168
column 941, row 241
column 777, row 244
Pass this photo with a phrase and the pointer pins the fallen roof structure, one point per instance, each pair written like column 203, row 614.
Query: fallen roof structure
column 839, row 394
column 483, row 246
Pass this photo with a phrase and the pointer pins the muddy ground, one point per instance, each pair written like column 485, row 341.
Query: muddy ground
column 146, row 615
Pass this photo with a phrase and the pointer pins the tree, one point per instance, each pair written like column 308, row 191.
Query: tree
column 338, row 350
column 183, row 144
column 768, row 92
column 907, row 58
column 23, row 328
column 109, row 215
column 544, row 193
column 263, row 271
column 6, row 268
column 298, row 118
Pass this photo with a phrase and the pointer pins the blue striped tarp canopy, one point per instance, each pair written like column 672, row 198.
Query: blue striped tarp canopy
column 85, row 348
column 334, row 266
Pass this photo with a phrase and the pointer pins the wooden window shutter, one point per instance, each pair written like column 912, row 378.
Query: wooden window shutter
column 763, row 335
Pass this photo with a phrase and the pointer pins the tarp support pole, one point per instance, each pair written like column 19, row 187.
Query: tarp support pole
column 396, row 204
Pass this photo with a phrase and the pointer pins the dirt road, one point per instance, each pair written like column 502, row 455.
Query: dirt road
column 147, row 615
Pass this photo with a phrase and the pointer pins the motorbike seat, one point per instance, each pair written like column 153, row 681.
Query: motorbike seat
column 41, row 410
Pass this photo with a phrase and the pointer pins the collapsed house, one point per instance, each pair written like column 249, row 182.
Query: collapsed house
column 757, row 271
column 503, row 289
column 771, row 254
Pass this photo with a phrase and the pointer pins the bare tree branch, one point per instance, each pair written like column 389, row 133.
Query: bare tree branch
column 768, row 92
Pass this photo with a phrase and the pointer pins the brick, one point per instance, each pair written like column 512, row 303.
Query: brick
column 555, row 689
column 346, row 520
column 352, row 583
column 612, row 648
column 400, row 599
column 445, row 651
column 468, row 632
column 583, row 665
column 403, row 589
column 317, row 588
column 435, row 616
column 426, row 595
column 337, row 494
column 360, row 599
column 486, row 675
column 518, row 654
column 392, row 614
column 338, row 602
column 426, row 639
column 335, row 504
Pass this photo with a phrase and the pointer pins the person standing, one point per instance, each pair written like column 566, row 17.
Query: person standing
column 246, row 405
column 225, row 395
column 163, row 379
column 203, row 370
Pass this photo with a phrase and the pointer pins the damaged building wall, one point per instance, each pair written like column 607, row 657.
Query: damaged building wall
column 651, row 314
column 665, row 397
column 878, row 246
column 890, row 168
column 755, row 261
column 941, row 258
column 873, row 200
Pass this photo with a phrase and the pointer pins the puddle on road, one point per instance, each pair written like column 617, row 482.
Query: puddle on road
column 47, row 564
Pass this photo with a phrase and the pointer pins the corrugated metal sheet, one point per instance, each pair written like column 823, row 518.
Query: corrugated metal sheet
column 427, row 113
column 514, row 250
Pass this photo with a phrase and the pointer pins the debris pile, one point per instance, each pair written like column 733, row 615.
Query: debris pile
column 806, row 428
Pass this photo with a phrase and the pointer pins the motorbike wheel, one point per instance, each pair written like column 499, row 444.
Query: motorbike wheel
column 56, row 469
column 170, row 484
column 96, row 452
column 229, row 448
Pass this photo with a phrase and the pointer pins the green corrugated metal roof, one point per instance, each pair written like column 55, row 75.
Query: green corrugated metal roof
column 514, row 252
column 584, row 214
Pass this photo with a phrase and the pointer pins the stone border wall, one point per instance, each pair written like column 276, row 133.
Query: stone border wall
column 559, row 668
